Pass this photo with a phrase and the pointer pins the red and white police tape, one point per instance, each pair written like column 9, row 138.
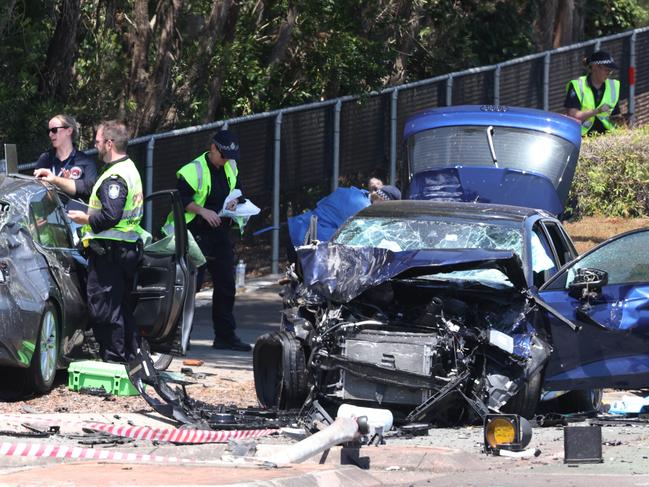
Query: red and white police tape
column 176, row 435
column 41, row 450
column 172, row 435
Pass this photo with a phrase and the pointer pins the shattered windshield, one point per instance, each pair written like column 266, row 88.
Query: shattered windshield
column 399, row 234
column 396, row 234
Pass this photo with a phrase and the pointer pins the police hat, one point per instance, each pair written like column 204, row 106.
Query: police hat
column 227, row 144
column 387, row 193
column 602, row 58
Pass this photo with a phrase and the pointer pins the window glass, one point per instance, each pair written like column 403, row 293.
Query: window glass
column 522, row 149
column 624, row 259
column 398, row 234
column 47, row 224
column 543, row 262
column 561, row 245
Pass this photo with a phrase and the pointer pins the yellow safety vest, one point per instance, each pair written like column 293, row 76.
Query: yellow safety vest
column 128, row 228
column 197, row 175
column 587, row 100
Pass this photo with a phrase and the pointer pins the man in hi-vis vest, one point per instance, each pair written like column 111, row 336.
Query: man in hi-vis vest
column 204, row 185
column 112, row 236
column 592, row 99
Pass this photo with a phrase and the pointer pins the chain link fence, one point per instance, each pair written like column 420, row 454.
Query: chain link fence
column 292, row 157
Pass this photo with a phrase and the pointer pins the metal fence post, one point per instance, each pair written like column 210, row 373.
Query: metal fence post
column 393, row 136
column 449, row 91
column 497, row 85
column 335, row 173
column 632, row 61
column 546, row 80
column 276, row 193
column 148, row 171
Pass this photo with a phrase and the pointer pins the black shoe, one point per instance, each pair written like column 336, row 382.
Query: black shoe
column 234, row 343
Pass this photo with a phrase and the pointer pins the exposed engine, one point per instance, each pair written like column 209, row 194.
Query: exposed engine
column 428, row 349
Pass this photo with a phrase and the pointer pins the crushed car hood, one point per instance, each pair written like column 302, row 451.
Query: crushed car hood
column 341, row 273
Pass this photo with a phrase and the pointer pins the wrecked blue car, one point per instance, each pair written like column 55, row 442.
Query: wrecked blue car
column 467, row 298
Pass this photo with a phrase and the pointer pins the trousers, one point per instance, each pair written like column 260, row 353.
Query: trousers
column 111, row 276
column 217, row 248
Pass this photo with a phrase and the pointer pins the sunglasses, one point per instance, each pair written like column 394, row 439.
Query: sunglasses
column 54, row 130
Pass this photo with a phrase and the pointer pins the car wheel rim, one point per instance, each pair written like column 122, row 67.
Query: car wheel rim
column 48, row 346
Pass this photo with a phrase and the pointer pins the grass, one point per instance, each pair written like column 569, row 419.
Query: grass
column 591, row 231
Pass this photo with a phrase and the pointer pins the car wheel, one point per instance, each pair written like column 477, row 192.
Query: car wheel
column 161, row 361
column 46, row 354
column 526, row 400
column 280, row 371
column 579, row 401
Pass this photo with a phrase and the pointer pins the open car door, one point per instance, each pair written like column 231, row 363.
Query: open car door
column 605, row 292
column 165, row 285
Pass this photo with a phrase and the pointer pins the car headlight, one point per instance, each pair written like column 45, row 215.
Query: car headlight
column 506, row 432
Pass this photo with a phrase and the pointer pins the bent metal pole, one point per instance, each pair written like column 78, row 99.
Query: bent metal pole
column 340, row 431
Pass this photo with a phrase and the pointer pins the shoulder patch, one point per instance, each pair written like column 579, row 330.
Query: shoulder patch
column 76, row 172
column 113, row 191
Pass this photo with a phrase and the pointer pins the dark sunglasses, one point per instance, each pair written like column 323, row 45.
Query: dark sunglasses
column 54, row 130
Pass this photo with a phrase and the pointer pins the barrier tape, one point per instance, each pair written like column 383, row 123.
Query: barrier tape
column 176, row 435
column 41, row 450
column 172, row 435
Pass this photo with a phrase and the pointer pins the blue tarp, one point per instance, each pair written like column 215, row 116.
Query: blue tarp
column 332, row 211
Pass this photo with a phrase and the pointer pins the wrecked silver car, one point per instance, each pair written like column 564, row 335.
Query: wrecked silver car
column 43, row 313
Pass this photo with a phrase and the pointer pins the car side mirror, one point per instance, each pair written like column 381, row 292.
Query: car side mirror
column 587, row 281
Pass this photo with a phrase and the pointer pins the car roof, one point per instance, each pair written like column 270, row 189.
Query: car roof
column 473, row 211
column 10, row 183
column 524, row 118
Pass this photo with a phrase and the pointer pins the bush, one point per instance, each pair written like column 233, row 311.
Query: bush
column 612, row 176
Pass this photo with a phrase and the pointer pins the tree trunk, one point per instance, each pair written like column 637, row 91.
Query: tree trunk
column 6, row 15
column 284, row 36
column 220, row 27
column 156, row 38
column 559, row 23
column 62, row 52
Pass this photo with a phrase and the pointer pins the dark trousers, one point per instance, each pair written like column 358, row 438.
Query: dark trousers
column 217, row 248
column 111, row 276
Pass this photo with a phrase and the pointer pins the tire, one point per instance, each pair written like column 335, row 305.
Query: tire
column 579, row 401
column 161, row 361
column 279, row 370
column 526, row 400
column 42, row 371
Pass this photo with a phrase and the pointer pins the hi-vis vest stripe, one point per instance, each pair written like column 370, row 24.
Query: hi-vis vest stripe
column 197, row 175
column 128, row 228
column 587, row 99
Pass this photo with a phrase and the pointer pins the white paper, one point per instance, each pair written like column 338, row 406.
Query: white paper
column 245, row 209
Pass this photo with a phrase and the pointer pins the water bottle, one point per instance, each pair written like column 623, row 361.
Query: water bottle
column 240, row 275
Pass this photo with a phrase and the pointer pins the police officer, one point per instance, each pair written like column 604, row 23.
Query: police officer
column 592, row 99
column 204, row 185
column 112, row 235
column 64, row 165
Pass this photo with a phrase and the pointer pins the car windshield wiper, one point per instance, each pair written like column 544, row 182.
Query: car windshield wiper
column 490, row 141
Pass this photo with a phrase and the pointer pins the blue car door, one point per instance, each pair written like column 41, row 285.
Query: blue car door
column 610, row 347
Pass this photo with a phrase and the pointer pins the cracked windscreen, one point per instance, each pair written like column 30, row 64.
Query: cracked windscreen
column 399, row 234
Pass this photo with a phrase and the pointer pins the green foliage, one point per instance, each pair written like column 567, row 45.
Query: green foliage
column 612, row 16
column 335, row 48
column 612, row 177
